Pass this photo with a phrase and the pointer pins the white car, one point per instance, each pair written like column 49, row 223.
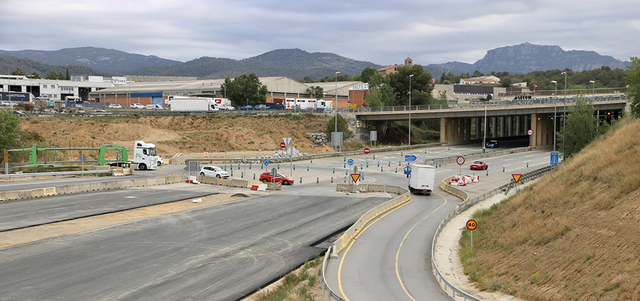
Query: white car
column 136, row 106
column 213, row 171
column 227, row 107
column 7, row 103
column 160, row 161
column 154, row 106
column 114, row 106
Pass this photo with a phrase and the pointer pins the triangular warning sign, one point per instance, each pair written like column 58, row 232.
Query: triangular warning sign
column 516, row 177
column 355, row 177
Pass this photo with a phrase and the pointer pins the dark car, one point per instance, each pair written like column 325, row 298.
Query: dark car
column 493, row 144
column 261, row 107
column 247, row 107
column 19, row 113
column 266, row 177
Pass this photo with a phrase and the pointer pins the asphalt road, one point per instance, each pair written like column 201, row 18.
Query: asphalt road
column 220, row 252
column 390, row 260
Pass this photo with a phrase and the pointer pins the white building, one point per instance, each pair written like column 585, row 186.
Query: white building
column 53, row 89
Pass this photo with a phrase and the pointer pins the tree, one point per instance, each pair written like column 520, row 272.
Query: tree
column 633, row 80
column 67, row 77
column 18, row 71
column 380, row 92
column 367, row 73
column 9, row 129
column 316, row 91
column 34, row 75
column 343, row 126
column 55, row 75
column 582, row 128
column 421, row 86
column 245, row 89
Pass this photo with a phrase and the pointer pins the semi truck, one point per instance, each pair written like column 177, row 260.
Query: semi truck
column 144, row 156
column 422, row 179
column 194, row 104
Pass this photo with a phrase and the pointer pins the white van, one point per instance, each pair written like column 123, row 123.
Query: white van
column 154, row 106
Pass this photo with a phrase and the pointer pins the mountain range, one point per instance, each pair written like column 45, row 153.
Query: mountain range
column 293, row 63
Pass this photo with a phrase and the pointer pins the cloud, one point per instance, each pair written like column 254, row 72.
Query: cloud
column 383, row 32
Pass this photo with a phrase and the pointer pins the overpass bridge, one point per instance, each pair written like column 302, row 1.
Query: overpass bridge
column 459, row 123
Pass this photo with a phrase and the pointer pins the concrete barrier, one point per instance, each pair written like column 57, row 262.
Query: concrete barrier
column 375, row 188
column 224, row 182
column 11, row 195
column 37, row 193
column 2, row 197
column 49, row 191
column 239, row 183
column 140, row 183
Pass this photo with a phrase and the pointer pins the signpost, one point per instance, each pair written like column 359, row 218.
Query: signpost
column 554, row 158
column 407, row 170
column 516, row 177
column 265, row 162
column 460, row 161
column 350, row 162
column 530, row 132
column 410, row 158
column 472, row 225
column 366, row 150
column 288, row 144
column 366, row 157
column 282, row 144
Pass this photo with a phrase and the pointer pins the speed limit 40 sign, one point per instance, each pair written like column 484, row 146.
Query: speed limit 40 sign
column 472, row 224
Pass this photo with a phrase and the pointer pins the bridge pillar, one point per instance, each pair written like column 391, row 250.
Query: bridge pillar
column 443, row 129
column 526, row 124
column 501, row 127
column 494, row 127
column 517, row 126
column 467, row 128
column 510, row 126
column 533, row 139
column 449, row 129
column 478, row 125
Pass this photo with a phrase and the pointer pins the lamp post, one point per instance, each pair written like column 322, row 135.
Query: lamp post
column 335, row 117
column 554, row 113
column 564, row 115
column 410, row 76
column 593, row 91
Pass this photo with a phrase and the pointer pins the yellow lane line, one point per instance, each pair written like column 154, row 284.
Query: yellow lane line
column 351, row 244
column 402, row 242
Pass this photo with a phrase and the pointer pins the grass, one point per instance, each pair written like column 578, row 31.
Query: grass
column 574, row 226
column 288, row 291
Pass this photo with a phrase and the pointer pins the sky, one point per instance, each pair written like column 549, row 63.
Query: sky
column 379, row 31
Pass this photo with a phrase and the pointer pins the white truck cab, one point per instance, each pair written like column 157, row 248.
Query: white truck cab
column 144, row 156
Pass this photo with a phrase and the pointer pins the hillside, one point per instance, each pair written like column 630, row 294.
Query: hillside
column 527, row 57
column 574, row 235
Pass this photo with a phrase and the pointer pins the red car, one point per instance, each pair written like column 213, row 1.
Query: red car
column 279, row 178
column 479, row 165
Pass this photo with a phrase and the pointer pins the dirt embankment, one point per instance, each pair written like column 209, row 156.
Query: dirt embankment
column 575, row 235
column 213, row 134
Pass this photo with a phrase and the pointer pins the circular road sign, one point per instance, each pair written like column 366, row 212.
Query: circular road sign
column 530, row 132
column 265, row 162
column 366, row 150
column 350, row 162
column 282, row 144
column 472, row 225
column 460, row 160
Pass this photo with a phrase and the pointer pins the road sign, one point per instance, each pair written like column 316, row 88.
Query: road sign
column 266, row 162
column 282, row 144
column 287, row 141
column 516, row 177
column 554, row 158
column 460, row 160
column 530, row 132
column 472, row 225
column 366, row 150
column 410, row 158
column 355, row 177
column 350, row 162
column 407, row 170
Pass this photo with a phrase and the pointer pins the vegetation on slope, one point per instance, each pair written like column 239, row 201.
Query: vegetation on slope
column 574, row 235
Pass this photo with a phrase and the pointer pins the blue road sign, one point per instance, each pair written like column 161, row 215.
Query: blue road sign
column 350, row 162
column 410, row 157
column 407, row 170
column 266, row 162
column 554, row 158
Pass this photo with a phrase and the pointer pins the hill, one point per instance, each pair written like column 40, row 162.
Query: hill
column 574, row 235
column 527, row 57
column 105, row 60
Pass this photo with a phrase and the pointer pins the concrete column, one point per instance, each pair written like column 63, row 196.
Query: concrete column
column 502, row 126
column 443, row 129
column 494, row 127
column 467, row 123
column 526, row 126
column 510, row 126
column 517, row 126
column 478, row 125
column 456, row 129
column 533, row 141
column 450, row 129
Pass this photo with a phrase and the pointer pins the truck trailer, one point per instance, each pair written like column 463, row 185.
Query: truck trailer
column 422, row 179
column 193, row 104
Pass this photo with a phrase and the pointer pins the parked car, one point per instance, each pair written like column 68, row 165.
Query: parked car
column 493, row 144
column 227, row 107
column 154, row 106
column 213, row 171
column 262, row 107
column 136, row 106
column 247, row 107
column 7, row 103
column 266, row 177
column 19, row 113
column 114, row 106
column 101, row 112
column 479, row 165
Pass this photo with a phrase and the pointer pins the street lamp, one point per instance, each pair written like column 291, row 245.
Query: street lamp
column 410, row 76
column 594, row 88
column 564, row 115
column 554, row 113
column 335, row 117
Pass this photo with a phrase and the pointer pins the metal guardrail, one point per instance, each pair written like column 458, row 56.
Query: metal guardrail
column 466, row 204
column 60, row 173
column 326, row 290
